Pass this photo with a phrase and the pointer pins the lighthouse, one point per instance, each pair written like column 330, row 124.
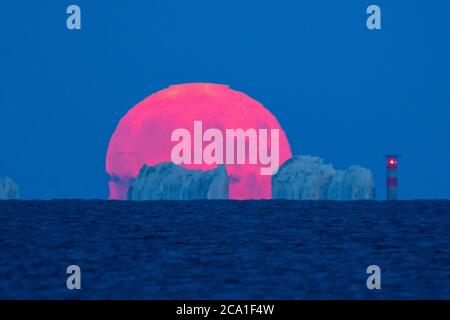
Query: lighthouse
column 391, row 176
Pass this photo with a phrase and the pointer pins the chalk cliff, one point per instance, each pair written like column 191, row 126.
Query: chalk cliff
column 8, row 189
column 167, row 181
column 308, row 178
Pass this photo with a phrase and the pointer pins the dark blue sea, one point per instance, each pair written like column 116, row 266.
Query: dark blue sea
column 224, row 249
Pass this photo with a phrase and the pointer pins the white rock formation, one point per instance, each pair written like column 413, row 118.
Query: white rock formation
column 8, row 189
column 167, row 181
column 308, row 178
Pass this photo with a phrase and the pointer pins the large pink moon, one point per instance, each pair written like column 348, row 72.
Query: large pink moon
column 143, row 135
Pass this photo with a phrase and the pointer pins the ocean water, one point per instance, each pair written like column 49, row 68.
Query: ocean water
column 224, row 249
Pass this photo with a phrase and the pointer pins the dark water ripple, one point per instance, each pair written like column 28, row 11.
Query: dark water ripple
column 220, row 249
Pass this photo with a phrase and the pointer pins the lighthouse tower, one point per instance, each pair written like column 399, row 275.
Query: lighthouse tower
column 391, row 177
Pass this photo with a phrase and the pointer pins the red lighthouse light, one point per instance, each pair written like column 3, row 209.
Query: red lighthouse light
column 392, row 163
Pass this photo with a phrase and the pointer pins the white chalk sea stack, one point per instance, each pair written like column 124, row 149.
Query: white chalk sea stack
column 8, row 189
column 168, row 181
column 308, row 178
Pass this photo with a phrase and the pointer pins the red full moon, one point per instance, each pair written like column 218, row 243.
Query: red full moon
column 143, row 135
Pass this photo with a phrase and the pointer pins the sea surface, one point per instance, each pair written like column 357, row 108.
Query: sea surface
column 224, row 249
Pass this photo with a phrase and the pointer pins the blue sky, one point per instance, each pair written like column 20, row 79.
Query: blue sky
column 340, row 91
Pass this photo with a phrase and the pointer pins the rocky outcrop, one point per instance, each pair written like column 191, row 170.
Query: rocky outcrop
column 8, row 189
column 308, row 178
column 168, row 181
